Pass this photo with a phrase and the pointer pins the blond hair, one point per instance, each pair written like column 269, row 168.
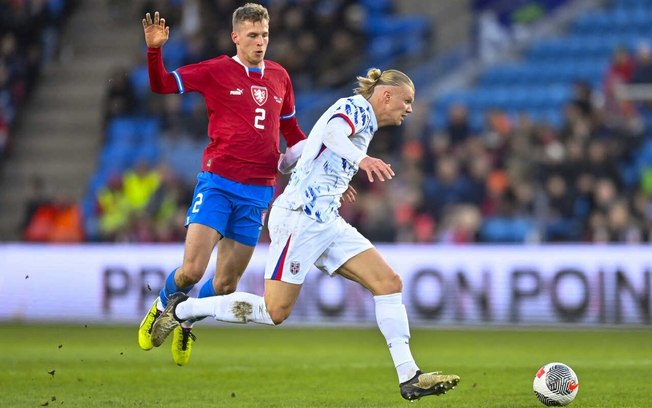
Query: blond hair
column 377, row 77
column 250, row 12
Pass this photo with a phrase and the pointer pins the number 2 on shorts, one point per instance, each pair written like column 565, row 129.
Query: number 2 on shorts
column 198, row 200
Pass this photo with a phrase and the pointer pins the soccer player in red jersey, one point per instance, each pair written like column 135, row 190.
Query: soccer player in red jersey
column 249, row 99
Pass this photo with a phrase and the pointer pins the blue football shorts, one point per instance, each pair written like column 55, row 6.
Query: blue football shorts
column 235, row 210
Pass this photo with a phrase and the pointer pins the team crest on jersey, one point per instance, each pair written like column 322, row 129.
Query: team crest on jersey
column 260, row 94
column 294, row 267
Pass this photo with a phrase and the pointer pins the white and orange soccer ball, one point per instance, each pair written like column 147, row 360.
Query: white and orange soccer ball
column 555, row 385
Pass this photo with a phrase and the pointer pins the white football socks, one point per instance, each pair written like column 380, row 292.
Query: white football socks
column 393, row 323
column 237, row 307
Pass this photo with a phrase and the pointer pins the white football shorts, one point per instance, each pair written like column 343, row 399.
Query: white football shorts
column 298, row 242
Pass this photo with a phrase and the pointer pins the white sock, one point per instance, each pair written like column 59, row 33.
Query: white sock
column 237, row 307
column 159, row 305
column 393, row 323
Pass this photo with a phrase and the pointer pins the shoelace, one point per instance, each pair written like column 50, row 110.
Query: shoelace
column 184, row 338
column 156, row 315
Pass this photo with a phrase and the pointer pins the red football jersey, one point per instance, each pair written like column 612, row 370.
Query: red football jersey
column 245, row 108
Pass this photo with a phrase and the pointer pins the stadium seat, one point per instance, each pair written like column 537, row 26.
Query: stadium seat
column 176, row 51
column 377, row 8
column 506, row 230
column 121, row 131
column 541, row 84
column 132, row 131
column 182, row 156
column 139, row 78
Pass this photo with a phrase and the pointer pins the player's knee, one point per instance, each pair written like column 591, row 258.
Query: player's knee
column 193, row 268
column 393, row 284
column 278, row 315
column 224, row 286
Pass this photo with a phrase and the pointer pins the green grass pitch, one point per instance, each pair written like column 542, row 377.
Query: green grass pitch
column 237, row 366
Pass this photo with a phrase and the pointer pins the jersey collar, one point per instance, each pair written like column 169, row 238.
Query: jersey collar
column 262, row 70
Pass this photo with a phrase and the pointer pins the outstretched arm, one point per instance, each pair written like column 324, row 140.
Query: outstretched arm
column 289, row 159
column 156, row 34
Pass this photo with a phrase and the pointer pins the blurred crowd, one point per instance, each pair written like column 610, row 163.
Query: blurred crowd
column 28, row 37
column 512, row 180
column 515, row 180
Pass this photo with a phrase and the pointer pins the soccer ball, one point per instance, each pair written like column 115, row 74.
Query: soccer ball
column 555, row 385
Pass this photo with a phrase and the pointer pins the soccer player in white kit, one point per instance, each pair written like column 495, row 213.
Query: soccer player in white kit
column 306, row 229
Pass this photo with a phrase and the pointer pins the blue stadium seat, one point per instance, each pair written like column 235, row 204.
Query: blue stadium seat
column 190, row 101
column 56, row 7
column 377, row 8
column 147, row 130
column 506, row 230
column 632, row 4
column 117, row 157
column 121, row 130
column 139, row 78
column 132, row 131
column 176, row 51
column 149, row 153
column 182, row 157
column 389, row 34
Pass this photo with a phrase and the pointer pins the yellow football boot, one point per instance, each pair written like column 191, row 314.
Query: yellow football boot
column 145, row 329
column 182, row 339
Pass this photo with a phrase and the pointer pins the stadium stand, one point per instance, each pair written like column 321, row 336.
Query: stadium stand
column 57, row 133
column 28, row 38
column 577, row 136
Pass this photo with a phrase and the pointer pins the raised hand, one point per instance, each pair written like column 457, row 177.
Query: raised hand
column 376, row 167
column 156, row 33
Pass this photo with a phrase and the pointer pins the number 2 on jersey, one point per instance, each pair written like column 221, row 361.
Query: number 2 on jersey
column 260, row 116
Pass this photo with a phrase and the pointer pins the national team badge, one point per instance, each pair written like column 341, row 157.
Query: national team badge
column 259, row 93
column 294, row 267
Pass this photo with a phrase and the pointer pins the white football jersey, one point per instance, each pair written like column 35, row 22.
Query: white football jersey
column 321, row 176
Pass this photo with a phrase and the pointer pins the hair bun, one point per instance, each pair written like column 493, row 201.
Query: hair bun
column 374, row 74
